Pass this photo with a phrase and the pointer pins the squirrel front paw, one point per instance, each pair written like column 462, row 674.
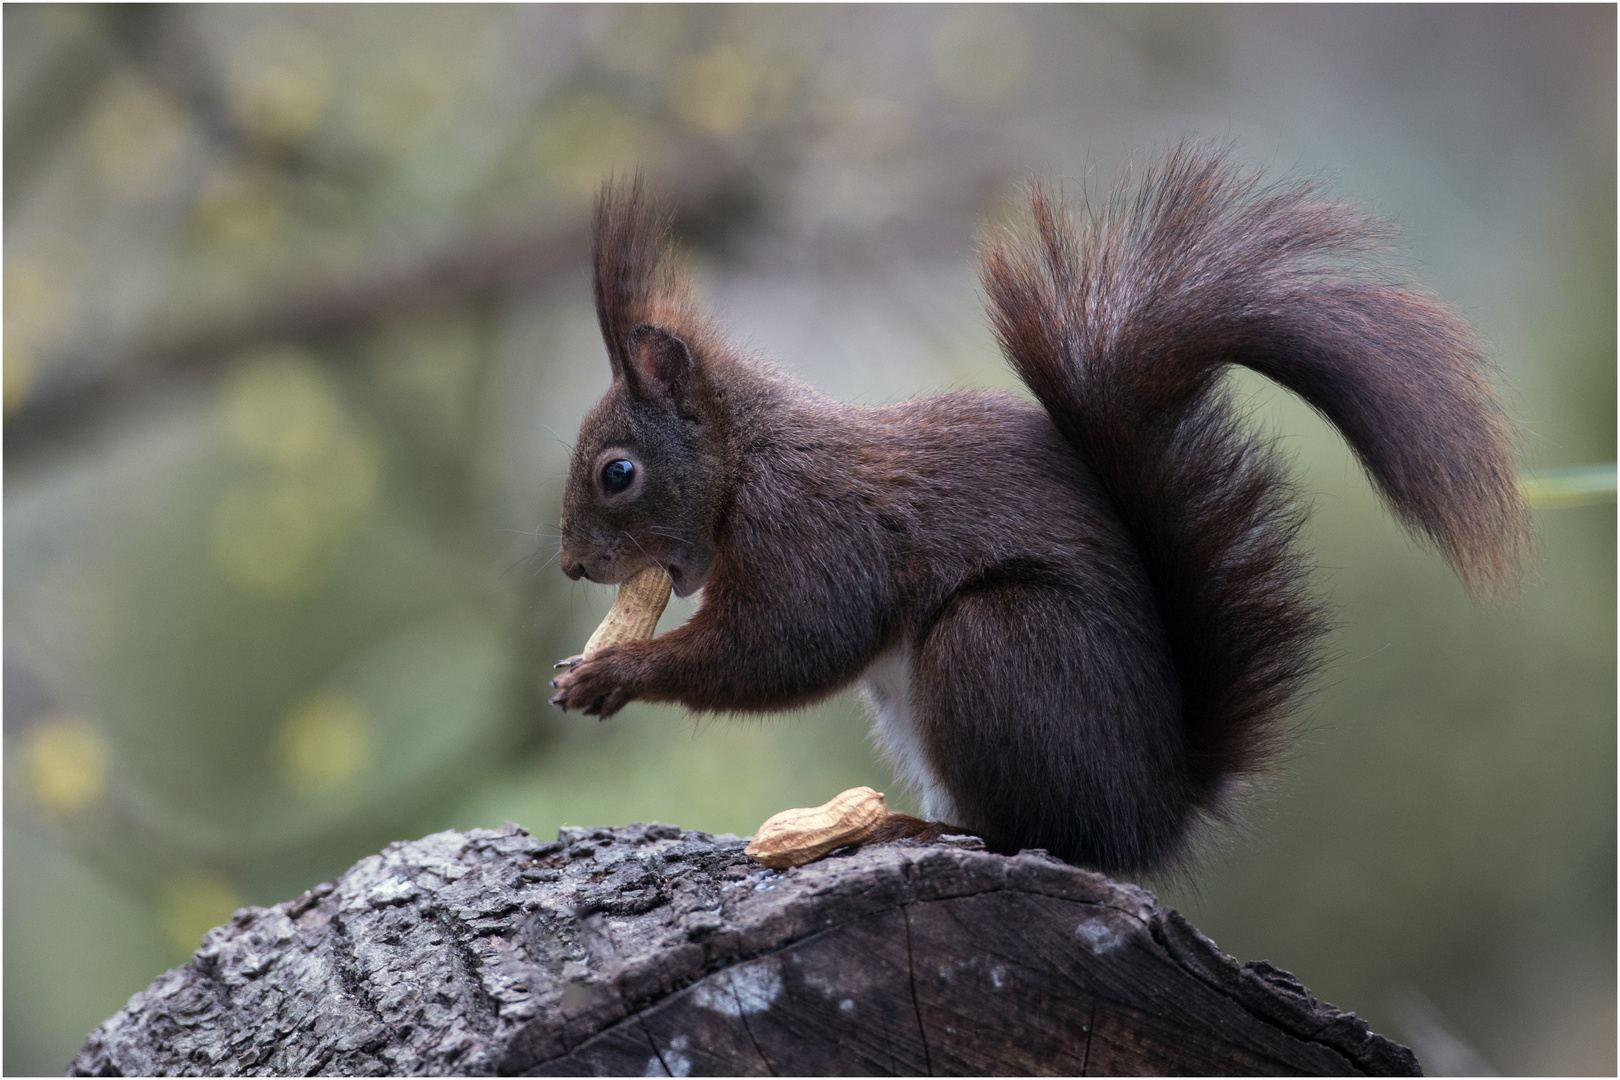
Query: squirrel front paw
column 591, row 685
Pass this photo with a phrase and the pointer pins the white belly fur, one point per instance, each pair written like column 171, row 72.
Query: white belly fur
column 886, row 685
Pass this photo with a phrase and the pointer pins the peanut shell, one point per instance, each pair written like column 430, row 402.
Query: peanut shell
column 795, row 837
column 635, row 611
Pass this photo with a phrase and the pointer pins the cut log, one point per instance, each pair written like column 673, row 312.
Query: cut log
column 651, row 951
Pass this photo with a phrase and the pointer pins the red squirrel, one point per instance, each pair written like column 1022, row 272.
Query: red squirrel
column 1081, row 621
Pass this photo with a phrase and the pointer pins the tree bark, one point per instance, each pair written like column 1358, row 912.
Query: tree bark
column 649, row 951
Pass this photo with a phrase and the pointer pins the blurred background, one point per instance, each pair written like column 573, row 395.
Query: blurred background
column 298, row 332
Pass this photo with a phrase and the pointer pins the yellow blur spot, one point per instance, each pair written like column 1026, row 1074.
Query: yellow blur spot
column 981, row 56
column 66, row 761
column 134, row 135
column 428, row 362
column 313, row 475
column 33, row 317
column 392, row 100
column 326, row 742
column 280, row 408
column 281, row 84
column 717, row 92
column 266, row 536
column 193, row 904
column 585, row 139
column 243, row 213
column 18, row 375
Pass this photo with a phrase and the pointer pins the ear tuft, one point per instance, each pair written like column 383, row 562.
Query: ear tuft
column 662, row 361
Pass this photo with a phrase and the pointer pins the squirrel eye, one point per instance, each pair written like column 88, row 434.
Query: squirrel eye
column 616, row 476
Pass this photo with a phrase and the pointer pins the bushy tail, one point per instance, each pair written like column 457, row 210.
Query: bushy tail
column 1122, row 327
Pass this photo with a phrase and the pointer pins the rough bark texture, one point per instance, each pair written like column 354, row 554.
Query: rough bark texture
column 649, row 951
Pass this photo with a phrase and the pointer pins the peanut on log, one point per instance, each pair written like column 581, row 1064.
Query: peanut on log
column 635, row 611
column 795, row 837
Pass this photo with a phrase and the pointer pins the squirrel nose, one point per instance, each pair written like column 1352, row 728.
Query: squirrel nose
column 574, row 568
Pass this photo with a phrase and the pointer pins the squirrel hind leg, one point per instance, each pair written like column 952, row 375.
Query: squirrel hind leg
column 1055, row 723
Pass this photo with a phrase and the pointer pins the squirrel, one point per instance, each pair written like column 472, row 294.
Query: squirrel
column 1080, row 621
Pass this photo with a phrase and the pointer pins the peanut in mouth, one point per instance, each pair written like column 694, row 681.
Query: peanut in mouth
column 635, row 611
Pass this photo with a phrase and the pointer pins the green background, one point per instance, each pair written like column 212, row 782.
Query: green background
column 297, row 331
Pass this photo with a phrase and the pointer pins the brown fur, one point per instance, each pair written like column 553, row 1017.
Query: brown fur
column 1100, row 597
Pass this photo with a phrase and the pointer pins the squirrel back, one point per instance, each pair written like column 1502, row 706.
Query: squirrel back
column 1078, row 622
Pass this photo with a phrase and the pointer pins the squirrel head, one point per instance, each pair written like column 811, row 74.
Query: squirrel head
column 647, row 480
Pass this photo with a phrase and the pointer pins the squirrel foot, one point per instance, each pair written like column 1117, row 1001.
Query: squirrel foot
column 905, row 827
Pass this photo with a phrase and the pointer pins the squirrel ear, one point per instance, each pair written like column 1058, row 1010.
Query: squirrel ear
column 660, row 362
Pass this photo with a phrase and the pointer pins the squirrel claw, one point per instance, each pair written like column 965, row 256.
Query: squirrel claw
column 570, row 663
column 557, row 700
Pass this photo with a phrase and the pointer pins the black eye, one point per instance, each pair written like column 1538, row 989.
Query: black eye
column 616, row 476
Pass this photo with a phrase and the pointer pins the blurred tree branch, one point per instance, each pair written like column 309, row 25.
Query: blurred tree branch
column 76, row 391
column 51, row 107
column 78, row 394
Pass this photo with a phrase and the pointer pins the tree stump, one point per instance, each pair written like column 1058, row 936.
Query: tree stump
column 651, row 951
